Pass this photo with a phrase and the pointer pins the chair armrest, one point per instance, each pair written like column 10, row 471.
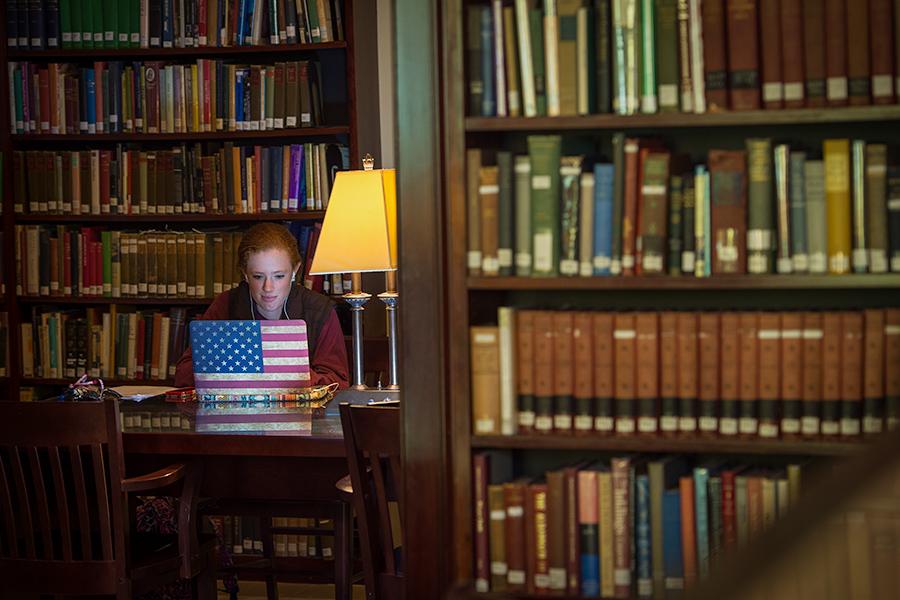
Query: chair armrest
column 155, row 480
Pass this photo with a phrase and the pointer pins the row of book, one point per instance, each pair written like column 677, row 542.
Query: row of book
column 108, row 24
column 755, row 374
column 243, row 534
column 573, row 57
column 68, row 262
column 114, row 343
column 620, row 528
column 222, row 179
column 767, row 208
column 162, row 97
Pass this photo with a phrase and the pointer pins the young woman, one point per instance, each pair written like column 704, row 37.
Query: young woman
column 269, row 261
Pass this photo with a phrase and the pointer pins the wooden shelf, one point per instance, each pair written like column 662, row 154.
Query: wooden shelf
column 103, row 300
column 174, row 53
column 687, row 445
column 804, row 116
column 301, row 132
column 664, row 282
column 303, row 215
column 108, row 382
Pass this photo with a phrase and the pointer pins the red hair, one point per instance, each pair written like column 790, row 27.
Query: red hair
column 267, row 236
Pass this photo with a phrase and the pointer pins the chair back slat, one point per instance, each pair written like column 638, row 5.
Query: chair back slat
column 394, row 462
column 62, row 503
column 372, row 440
column 103, row 514
column 81, row 502
column 42, row 508
column 10, row 548
column 24, row 507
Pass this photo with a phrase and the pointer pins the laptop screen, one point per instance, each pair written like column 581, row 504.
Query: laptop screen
column 250, row 357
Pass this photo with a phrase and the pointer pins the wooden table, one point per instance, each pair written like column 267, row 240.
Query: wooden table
column 290, row 475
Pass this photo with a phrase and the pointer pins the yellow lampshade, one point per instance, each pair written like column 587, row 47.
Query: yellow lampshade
column 359, row 233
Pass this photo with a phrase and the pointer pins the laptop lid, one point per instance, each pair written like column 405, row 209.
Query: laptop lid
column 250, row 357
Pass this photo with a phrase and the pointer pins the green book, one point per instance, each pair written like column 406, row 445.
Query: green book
column 649, row 102
column 505, row 217
column 523, row 215
column 65, row 22
column 110, row 23
column 312, row 12
column 123, row 27
column 666, row 47
column 76, row 20
column 760, row 213
column 87, row 23
column 544, row 151
column 535, row 20
column 134, row 24
column 98, row 21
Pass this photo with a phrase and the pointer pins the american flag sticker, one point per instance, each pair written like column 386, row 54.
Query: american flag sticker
column 250, row 357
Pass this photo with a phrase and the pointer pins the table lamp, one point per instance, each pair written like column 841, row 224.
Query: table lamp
column 359, row 235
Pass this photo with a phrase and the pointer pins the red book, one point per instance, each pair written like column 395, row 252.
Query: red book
column 572, row 530
column 831, row 374
column 688, row 369
column 770, row 42
column 624, row 338
column 709, row 389
column 792, row 52
column 812, row 374
column 622, row 525
column 852, row 373
column 728, row 221
column 770, row 365
column 44, row 95
column 647, row 371
column 835, row 53
column 730, row 343
column 668, row 372
column 748, row 423
column 583, row 377
column 715, row 58
column 881, row 41
column 525, row 370
column 892, row 375
column 630, row 205
column 814, row 52
column 873, row 371
column 139, row 348
column 604, row 371
column 688, row 533
column 514, row 502
column 743, row 53
column 480, row 478
column 151, row 78
column 792, row 372
column 729, row 524
column 563, row 371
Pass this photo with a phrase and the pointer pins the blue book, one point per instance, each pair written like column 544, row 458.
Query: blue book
column 701, row 519
column 672, row 558
column 248, row 22
column 90, row 100
column 488, row 100
column 239, row 100
column 603, row 225
column 797, row 203
column 589, row 533
column 168, row 23
column 301, row 197
column 642, row 536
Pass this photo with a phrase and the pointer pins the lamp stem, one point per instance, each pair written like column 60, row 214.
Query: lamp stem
column 357, row 300
column 390, row 297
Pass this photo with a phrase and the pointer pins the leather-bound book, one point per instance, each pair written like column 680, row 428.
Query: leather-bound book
column 563, row 371
column 792, row 50
column 488, row 204
column 668, row 373
column 623, row 530
column 571, row 530
column 525, row 370
column 770, row 45
column 583, row 363
column 835, row 53
column 832, row 368
column 791, row 372
column 836, row 153
column 729, row 372
column 748, row 422
column 544, row 334
column 604, row 371
column 743, row 54
column 556, row 531
column 858, row 64
column 539, row 566
column 473, row 212
column 873, row 371
column 851, row 373
column 811, row 393
column 882, row 38
column 652, row 212
column 760, row 206
column 891, row 372
column 480, row 478
column 715, row 56
column 485, row 364
column 666, row 47
column 688, row 532
column 497, row 537
column 728, row 174
column 589, row 534
column 505, row 217
column 630, row 204
column 624, row 337
column 813, row 12
column 647, row 327
column 876, row 207
column 514, row 506
column 709, row 361
column 770, row 365
column 688, row 368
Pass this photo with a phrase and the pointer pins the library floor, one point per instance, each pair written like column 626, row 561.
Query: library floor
column 256, row 590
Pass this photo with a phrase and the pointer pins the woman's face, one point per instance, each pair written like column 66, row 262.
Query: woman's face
column 269, row 276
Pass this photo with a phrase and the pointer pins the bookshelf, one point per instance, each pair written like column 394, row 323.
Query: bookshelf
column 473, row 299
column 335, row 123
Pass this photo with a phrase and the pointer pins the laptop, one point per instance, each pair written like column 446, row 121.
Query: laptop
column 250, row 357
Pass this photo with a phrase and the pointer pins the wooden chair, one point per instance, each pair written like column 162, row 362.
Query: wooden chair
column 64, row 500
column 372, row 439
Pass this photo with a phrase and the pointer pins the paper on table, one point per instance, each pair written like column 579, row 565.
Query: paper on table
column 141, row 392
